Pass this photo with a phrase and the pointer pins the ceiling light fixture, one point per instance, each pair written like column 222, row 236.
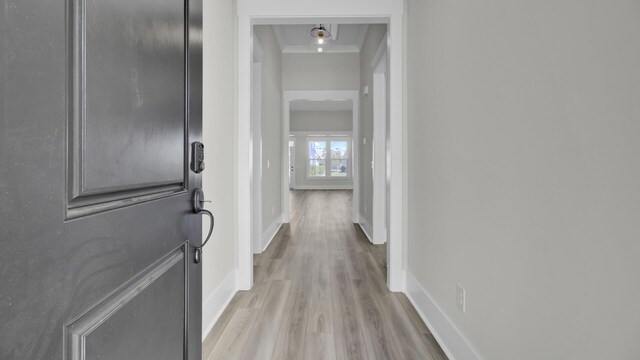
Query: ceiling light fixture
column 320, row 49
column 320, row 34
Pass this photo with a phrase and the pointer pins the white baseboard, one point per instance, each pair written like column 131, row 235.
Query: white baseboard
column 323, row 187
column 366, row 228
column 271, row 232
column 453, row 343
column 217, row 302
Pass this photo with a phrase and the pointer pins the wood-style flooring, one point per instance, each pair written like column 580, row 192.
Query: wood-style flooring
column 320, row 293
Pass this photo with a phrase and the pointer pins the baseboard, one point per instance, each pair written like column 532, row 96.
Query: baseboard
column 453, row 343
column 398, row 283
column 271, row 232
column 366, row 228
column 217, row 302
column 323, row 187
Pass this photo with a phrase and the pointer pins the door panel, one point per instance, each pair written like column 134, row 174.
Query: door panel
column 100, row 100
column 110, row 330
column 131, row 118
column 126, row 135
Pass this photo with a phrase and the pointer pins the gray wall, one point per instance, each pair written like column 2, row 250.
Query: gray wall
column 337, row 71
column 375, row 34
column 323, row 122
column 523, row 143
column 271, row 126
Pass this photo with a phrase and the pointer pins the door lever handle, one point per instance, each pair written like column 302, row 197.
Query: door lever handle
column 198, row 208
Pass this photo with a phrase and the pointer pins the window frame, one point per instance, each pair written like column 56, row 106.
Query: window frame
column 328, row 139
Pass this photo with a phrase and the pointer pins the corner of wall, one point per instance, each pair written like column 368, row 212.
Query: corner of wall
column 366, row 228
column 451, row 340
column 270, row 232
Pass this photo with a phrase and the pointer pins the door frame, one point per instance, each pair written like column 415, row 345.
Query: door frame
column 318, row 95
column 259, row 12
column 379, row 175
column 256, row 147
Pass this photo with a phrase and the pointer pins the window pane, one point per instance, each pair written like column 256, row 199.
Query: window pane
column 317, row 149
column 339, row 149
column 317, row 168
column 339, row 168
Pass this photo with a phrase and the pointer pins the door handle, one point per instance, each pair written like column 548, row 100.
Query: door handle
column 198, row 208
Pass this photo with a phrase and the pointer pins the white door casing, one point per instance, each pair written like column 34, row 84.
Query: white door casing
column 379, row 143
column 253, row 12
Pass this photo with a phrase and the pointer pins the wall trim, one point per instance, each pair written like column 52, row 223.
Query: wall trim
column 215, row 304
column 380, row 181
column 323, row 187
column 450, row 338
column 256, row 148
column 271, row 232
column 366, row 228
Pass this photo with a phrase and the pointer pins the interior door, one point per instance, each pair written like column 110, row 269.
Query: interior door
column 292, row 165
column 100, row 101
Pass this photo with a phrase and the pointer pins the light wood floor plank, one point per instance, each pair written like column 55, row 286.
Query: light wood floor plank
column 347, row 326
column 319, row 346
column 262, row 334
column 231, row 342
column 320, row 293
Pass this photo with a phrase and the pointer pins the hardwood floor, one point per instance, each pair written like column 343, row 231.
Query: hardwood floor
column 320, row 293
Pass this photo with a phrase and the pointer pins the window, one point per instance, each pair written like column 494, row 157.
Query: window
column 329, row 157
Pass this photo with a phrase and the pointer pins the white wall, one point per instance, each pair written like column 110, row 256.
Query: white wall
column 332, row 71
column 375, row 33
column 218, row 127
column 321, row 121
column 523, row 128
column 271, row 126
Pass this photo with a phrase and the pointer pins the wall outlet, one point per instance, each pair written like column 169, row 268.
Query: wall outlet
column 365, row 208
column 273, row 210
column 460, row 299
column 268, row 164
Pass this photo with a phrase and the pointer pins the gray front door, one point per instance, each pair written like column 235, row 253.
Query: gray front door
column 100, row 100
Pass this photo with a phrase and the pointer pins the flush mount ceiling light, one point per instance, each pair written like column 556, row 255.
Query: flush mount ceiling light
column 320, row 34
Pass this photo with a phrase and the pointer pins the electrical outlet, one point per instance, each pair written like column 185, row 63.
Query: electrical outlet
column 460, row 299
column 273, row 210
column 268, row 164
column 365, row 208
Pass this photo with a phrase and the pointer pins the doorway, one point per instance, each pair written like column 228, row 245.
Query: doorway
column 320, row 96
column 252, row 12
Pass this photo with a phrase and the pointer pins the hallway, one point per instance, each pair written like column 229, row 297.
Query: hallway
column 320, row 293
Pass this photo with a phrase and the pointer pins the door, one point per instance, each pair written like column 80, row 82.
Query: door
column 292, row 164
column 100, row 101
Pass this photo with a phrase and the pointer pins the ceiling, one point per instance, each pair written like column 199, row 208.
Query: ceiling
column 297, row 38
column 322, row 105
